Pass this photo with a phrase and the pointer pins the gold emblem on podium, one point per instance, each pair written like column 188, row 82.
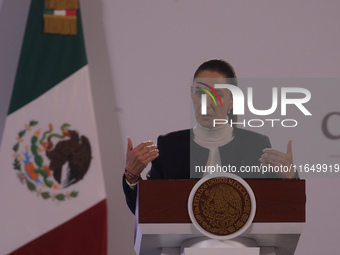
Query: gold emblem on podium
column 222, row 206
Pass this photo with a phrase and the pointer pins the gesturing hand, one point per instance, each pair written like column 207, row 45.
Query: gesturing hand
column 277, row 158
column 138, row 158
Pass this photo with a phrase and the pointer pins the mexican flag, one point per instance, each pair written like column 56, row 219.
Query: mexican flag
column 52, row 192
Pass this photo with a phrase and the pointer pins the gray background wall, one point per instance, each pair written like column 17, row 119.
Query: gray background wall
column 142, row 55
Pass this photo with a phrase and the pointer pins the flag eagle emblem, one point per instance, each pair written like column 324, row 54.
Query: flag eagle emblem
column 49, row 161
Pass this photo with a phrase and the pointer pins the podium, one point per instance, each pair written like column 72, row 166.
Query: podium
column 163, row 222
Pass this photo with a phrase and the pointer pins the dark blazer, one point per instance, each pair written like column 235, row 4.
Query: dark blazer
column 178, row 152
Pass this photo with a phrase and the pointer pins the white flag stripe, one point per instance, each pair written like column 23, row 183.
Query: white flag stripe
column 60, row 12
column 68, row 102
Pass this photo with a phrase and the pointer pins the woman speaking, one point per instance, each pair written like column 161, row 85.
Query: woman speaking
column 194, row 153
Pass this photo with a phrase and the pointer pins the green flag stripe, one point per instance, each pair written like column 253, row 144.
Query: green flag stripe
column 51, row 12
column 45, row 59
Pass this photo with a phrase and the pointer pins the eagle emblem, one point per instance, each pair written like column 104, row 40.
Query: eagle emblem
column 221, row 206
column 51, row 160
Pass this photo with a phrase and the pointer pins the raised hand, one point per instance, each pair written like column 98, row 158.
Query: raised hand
column 274, row 158
column 138, row 158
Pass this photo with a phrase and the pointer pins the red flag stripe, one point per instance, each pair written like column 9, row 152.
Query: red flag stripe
column 69, row 238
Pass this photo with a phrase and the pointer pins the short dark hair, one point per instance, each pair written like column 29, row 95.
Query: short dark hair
column 217, row 65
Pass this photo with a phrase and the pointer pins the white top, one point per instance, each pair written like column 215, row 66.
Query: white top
column 212, row 139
